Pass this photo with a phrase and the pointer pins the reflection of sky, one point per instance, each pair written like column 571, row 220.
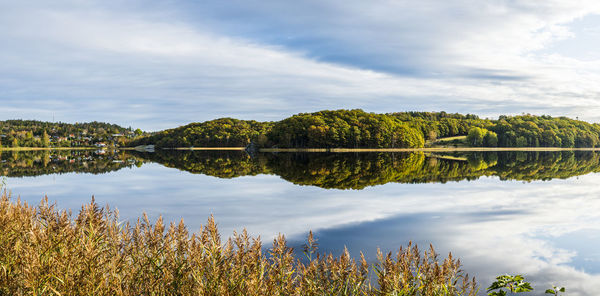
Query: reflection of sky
column 547, row 230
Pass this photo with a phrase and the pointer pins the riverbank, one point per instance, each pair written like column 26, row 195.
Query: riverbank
column 329, row 150
column 432, row 149
column 46, row 148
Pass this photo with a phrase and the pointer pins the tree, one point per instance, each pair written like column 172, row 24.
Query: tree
column 45, row 139
column 521, row 142
column 549, row 138
column 490, row 139
column 432, row 135
column 475, row 136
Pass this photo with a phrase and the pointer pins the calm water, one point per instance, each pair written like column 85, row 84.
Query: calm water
column 532, row 213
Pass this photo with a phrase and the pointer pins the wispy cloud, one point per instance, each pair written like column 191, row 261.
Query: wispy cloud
column 160, row 66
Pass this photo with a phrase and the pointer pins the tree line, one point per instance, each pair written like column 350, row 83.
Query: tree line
column 360, row 129
column 33, row 133
column 324, row 129
column 222, row 132
column 340, row 128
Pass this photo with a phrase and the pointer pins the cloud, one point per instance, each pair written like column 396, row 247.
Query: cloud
column 161, row 65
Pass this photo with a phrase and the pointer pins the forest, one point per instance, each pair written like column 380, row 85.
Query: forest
column 222, row 132
column 324, row 129
column 360, row 129
column 33, row 133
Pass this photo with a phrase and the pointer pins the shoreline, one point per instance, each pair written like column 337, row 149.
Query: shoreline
column 205, row 148
column 46, row 148
column 431, row 149
column 328, row 150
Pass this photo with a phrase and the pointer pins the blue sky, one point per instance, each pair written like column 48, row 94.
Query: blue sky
column 163, row 64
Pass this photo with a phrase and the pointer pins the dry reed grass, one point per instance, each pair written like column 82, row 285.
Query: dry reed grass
column 44, row 251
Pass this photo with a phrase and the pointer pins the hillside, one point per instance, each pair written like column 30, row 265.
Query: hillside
column 341, row 128
column 359, row 129
column 222, row 132
column 323, row 129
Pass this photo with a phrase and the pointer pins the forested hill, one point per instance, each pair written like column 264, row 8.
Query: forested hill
column 359, row 129
column 506, row 131
column 435, row 125
column 344, row 128
column 33, row 133
column 341, row 128
column 324, row 129
column 222, row 132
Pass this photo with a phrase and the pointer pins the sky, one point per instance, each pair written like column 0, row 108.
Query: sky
column 157, row 65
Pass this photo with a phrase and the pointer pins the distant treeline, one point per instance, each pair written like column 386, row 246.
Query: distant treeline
column 359, row 129
column 324, row 129
column 342, row 128
column 223, row 132
column 33, row 133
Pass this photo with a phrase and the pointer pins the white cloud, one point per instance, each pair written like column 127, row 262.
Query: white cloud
column 111, row 61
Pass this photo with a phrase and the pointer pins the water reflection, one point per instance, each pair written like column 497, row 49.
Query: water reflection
column 36, row 163
column 545, row 225
column 324, row 170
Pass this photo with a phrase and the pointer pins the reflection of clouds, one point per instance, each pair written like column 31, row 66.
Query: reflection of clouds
column 494, row 227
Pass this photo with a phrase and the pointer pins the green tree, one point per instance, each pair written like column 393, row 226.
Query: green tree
column 475, row 136
column 490, row 139
column 521, row 142
column 432, row 135
column 45, row 139
column 549, row 138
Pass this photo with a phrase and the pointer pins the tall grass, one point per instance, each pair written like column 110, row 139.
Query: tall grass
column 44, row 251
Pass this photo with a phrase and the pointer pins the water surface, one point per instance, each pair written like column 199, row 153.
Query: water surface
column 535, row 213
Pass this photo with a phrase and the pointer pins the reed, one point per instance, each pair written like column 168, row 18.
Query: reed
column 46, row 251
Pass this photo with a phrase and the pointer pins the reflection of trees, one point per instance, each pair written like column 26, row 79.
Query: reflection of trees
column 530, row 166
column 345, row 171
column 359, row 170
column 222, row 164
column 34, row 163
column 325, row 170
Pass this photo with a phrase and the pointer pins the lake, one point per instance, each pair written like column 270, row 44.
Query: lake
column 534, row 213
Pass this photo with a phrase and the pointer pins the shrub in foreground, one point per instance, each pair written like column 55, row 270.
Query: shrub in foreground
column 44, row 251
